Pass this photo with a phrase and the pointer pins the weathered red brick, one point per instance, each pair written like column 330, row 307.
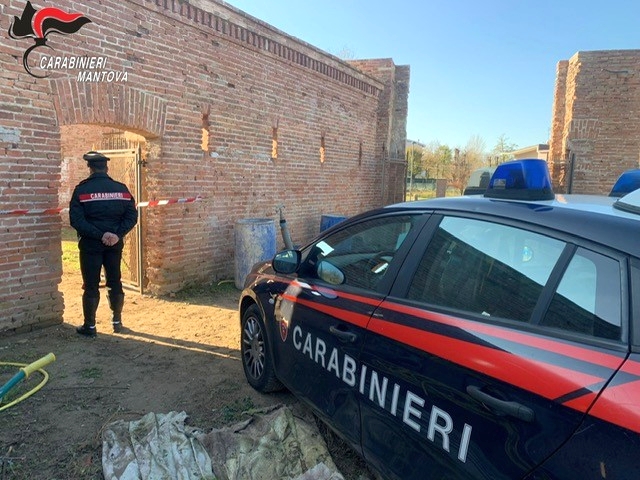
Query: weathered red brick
column 593, row 121
column 181, row 62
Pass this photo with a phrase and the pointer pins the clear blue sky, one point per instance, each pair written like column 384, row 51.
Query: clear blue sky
column 478, row 67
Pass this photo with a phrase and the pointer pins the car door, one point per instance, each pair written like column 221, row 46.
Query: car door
column 607, row 443
column 323, row 313
column 477, row 365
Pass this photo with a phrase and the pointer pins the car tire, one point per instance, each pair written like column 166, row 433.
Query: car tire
column 256, row 352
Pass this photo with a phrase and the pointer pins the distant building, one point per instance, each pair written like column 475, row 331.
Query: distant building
column 540, row 150
column 414, row 143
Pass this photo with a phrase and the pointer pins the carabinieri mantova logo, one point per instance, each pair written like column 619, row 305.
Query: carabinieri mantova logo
column 37, row 24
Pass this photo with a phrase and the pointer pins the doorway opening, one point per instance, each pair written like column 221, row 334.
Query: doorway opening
column 127, row 151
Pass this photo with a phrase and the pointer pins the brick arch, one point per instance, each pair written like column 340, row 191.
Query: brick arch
column 110, row 104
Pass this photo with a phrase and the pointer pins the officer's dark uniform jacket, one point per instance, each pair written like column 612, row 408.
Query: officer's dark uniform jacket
column 100, row 204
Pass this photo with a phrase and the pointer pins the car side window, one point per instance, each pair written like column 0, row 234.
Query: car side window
column 485, row 268
column 358, row 255
column 588, row 298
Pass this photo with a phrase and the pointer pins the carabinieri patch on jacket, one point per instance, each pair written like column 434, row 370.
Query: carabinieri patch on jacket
column 92, row 197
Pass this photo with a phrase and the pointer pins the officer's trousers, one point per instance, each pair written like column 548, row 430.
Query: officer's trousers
column 93, row 256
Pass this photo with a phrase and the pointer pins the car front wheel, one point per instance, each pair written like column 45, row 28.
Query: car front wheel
column 256, row 354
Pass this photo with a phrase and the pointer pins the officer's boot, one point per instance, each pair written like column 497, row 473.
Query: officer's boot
column 89, row 308
column 116, row 302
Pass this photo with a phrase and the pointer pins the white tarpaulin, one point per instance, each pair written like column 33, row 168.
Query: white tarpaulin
column 282, row 444
column 157, row 446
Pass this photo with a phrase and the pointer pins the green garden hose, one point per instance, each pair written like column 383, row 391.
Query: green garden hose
column 25, row 371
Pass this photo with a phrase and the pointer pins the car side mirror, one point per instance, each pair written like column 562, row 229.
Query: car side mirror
column 286, row 261
column 329, row 273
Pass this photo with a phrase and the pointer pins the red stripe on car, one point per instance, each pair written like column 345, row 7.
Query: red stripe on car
column 547, row 380
column 357, row 319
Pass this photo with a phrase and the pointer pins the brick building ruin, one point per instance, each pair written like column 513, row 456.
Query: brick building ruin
column 595, row 122
column 211, row 103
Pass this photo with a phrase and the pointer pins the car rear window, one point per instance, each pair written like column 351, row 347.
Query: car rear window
column 588, row 298
column 485, row 268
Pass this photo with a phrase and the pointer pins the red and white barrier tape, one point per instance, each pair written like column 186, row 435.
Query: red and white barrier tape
column 53, row 211
column 43, row 211
column 169, row 201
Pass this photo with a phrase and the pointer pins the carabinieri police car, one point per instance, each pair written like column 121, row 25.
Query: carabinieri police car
column 491, row 336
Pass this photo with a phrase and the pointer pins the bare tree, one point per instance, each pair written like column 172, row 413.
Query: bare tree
column 502, row 151
column 415, row 163
column 466, row 160
column 459, row 169
column 437, row 160
column 476, row 151
column 345, row 53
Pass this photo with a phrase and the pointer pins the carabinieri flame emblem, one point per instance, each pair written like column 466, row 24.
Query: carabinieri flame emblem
column 37, row 24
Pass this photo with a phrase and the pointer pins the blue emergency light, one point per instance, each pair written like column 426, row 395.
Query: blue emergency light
column 526, row 179
column 626, row 183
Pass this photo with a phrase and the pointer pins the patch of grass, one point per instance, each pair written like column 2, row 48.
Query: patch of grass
column 234, row 412
column 85, row 461
column 70, row 254
column 93, row 372
column 13, row 466
column 223, row 287
column 427, row 194
column 420, row 195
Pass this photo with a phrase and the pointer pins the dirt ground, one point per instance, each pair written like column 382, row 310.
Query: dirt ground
column 178, row 353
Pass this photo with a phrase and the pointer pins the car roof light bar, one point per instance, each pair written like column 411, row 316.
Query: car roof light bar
column 526, row 179
column 626, row 183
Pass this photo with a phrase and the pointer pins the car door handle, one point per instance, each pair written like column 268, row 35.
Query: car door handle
column 513, row 409
column 342, row 335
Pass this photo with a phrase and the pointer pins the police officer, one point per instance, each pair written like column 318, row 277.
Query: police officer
column 102, row 211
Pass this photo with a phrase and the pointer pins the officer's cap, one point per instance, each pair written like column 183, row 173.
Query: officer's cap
column 95, row 159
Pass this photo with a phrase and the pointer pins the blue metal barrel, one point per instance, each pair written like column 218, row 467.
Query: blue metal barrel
column 255, row 241
column 327, row 221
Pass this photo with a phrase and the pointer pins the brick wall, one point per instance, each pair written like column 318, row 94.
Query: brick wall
column 189, row 66
column 392, row 122
column 559, row 112
column 595, row 122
